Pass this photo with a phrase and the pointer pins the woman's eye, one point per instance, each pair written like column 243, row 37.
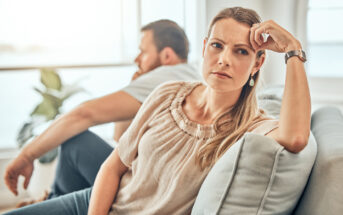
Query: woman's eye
column 243, row 51
column 216, row 45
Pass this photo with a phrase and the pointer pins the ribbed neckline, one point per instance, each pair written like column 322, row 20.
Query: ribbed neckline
column 194, row 129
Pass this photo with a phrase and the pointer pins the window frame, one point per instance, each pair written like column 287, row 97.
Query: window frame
column 324, row 90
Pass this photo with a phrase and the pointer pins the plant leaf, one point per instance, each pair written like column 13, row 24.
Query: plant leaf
column 25, row 133
column 38, row 90
column 56, row 101
column 69, row 90
column 46, row 108
column 50, row 79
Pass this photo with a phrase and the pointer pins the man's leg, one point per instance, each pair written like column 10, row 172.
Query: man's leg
column 75, row 203
column 79, row 161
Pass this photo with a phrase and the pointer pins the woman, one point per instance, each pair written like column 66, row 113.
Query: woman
column 184, row 128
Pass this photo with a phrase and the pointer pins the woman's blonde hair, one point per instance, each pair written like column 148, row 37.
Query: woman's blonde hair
column 245, row 113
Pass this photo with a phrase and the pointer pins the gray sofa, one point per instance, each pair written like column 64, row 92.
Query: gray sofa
column 324, row 190
column 258, row 176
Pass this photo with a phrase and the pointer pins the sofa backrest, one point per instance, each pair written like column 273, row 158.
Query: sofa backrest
column 324, row 191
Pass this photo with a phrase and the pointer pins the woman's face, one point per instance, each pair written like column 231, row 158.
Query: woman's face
column 229, row 58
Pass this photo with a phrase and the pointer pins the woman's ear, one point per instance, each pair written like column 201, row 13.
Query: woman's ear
column 258, row 64
column 204, row 47
column 168, row 56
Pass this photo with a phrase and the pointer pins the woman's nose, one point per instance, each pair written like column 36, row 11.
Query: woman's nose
column 224, row 58
column 223, row 64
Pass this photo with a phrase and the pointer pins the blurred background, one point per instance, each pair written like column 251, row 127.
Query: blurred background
column 92, row 44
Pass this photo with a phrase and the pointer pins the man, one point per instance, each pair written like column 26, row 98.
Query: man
column 163, row 57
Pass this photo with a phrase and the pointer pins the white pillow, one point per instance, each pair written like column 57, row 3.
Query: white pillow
column 256, row 176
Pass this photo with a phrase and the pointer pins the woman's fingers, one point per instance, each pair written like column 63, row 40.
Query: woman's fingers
column 269, row 44
column 258, row 35
column 252, row 37
column 278, row 40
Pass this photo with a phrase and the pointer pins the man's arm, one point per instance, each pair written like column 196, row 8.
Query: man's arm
column 112, row 107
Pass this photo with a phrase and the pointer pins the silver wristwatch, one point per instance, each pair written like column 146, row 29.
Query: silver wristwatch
column 299, row 53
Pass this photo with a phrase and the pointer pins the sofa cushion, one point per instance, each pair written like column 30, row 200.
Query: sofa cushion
column 256, row 176
column 324, row 192
column 269, row 99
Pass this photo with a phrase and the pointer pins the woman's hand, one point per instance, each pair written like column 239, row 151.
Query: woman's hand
column 279, row 39
column 19, row 166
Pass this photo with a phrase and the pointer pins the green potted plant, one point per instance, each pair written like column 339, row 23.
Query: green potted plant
column 54, row 93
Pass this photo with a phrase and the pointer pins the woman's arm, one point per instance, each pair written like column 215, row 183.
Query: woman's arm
column 106, row 185
column 295, row 116
column 120, row 128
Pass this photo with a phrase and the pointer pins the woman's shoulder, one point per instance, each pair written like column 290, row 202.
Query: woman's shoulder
column 177, row 84
column 172, row 87
column 168, row 91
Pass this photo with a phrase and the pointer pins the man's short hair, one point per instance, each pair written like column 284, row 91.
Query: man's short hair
column 169, row 34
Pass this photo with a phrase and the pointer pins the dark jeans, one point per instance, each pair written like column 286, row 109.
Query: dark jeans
column 75, row 203
column 79, row 161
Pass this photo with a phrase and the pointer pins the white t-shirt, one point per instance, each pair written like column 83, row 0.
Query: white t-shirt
column 144, row 85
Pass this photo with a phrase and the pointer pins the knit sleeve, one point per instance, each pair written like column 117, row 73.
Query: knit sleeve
column 158, row 100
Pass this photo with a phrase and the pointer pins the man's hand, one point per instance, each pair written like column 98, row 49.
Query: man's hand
column 137, row 74
column 20, row 166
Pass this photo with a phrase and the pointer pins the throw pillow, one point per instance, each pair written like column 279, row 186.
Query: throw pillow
column 256, row 176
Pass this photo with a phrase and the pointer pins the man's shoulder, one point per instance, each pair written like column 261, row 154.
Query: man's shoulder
column 144, row 85
column 178, row 72
column 182, row 67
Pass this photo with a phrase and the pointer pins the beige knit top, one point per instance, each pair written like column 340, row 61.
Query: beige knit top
column 159, row 149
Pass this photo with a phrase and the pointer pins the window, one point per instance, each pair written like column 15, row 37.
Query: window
column 50, row 32
column 77, row 33
column 325, row 38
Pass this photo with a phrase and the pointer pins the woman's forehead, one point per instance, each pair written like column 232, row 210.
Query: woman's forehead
column 229, row 29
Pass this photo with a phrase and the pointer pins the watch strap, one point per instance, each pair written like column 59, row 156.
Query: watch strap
column 299, row 53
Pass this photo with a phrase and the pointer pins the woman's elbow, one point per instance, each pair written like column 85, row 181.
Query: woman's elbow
column 298, row 143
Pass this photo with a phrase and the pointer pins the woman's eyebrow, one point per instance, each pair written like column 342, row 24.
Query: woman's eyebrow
column 244, row 44
column 236, row 45
column 214, row 38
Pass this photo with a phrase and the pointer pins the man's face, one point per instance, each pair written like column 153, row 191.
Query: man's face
column 148, row 58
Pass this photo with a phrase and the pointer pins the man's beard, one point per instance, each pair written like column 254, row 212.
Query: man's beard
column 154, row 65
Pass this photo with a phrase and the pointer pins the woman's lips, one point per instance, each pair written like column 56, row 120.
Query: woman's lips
column 221, row 75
